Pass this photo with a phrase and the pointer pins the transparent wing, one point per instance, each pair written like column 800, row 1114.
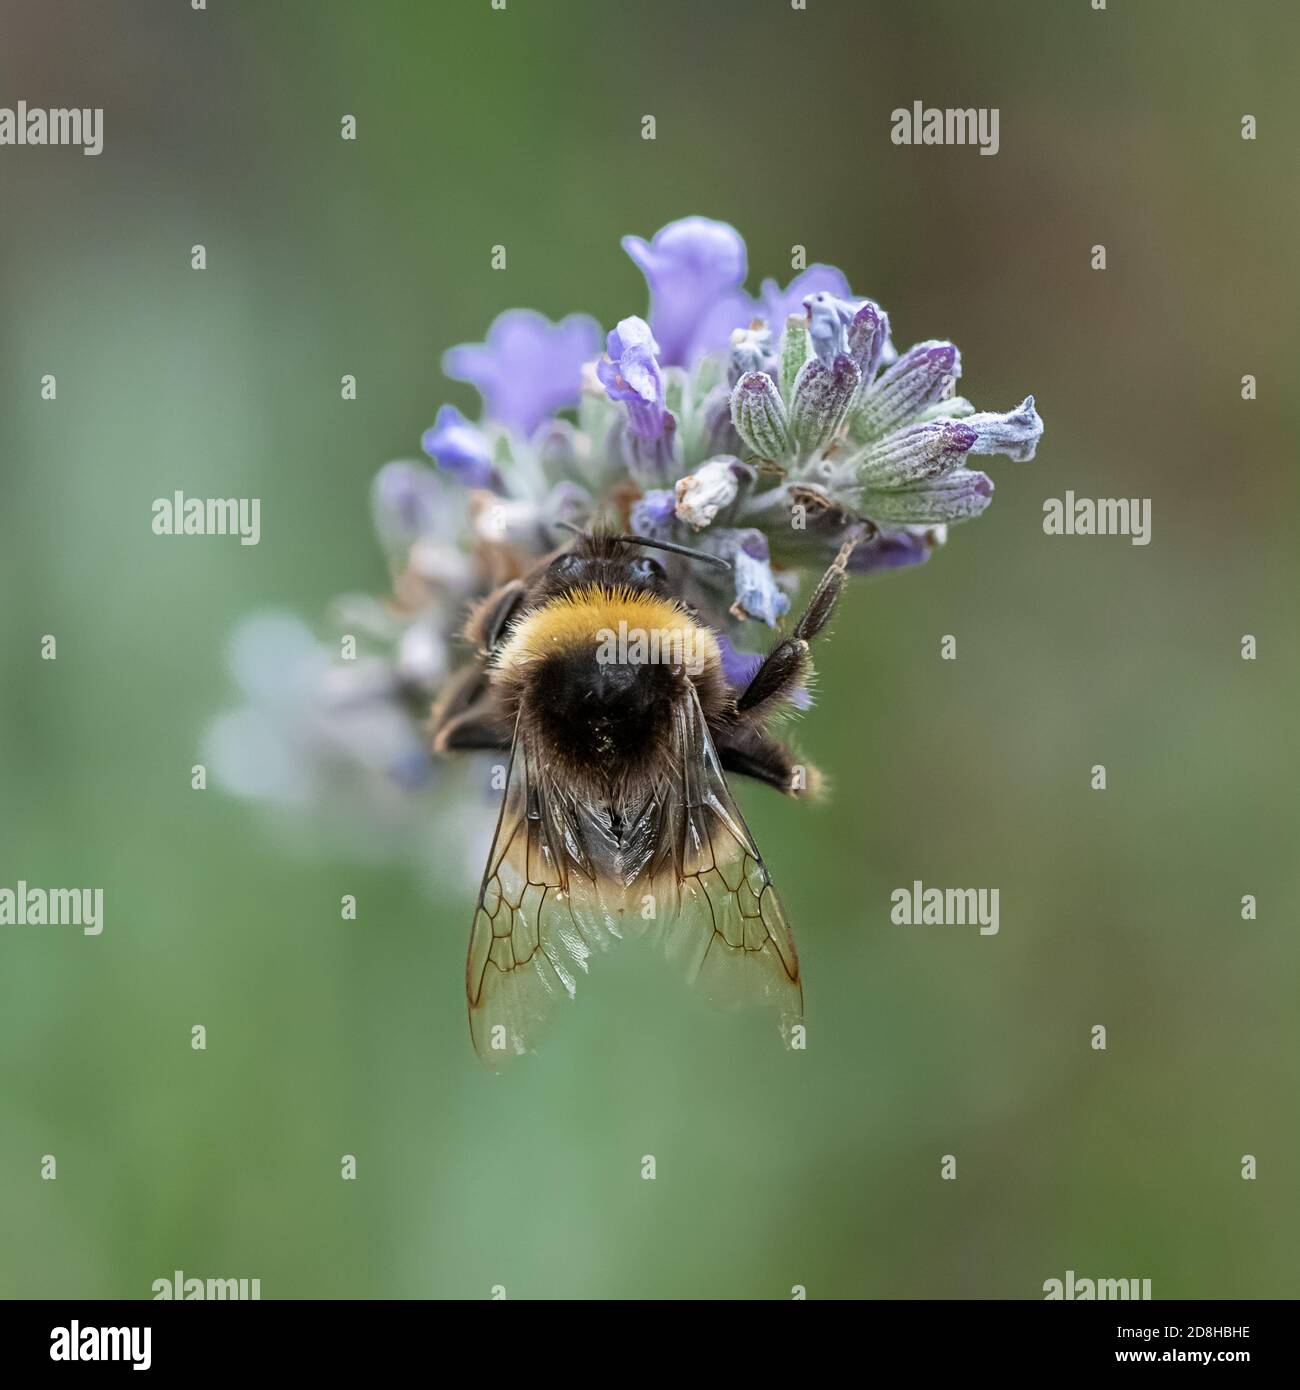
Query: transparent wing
column 565, row 878
column 715, row 909
column 543, row 909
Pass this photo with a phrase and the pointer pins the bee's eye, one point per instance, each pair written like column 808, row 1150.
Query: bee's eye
column 569, row 564
column 647, row 571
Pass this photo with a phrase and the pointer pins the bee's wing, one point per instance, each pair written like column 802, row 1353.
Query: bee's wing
column 542, row 909
column 714, row 906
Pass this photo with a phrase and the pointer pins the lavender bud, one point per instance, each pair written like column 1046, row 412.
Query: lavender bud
column 822, row 396
column 1015, row 433
column 715, row 434
column 866, row 339
column 759, row 416
column 913, row 455
column 957, row 496
column 405, row 500
column 923, row 375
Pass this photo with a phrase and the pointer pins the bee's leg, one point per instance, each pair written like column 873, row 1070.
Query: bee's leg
column 742, row 749
column 462, row 689
column 465, row 715
column 786, row 665
column 492, row 616
column 478, row 725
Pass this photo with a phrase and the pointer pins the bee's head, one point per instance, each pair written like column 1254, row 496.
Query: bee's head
column 601, row 562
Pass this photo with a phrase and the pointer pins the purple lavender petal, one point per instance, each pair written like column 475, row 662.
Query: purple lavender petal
column 776, row 304
column 694, row 268
column 737, row 667
column 714, row 331
column 631, row 374
column 653, row 514
column 889, row 550
column 651, row 462
column 405, row 499
column 757, row 592
column 461, row 449
column 738, row 670
column 528, row 367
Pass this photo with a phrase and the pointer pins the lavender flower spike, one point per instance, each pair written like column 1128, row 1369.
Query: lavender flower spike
column 695, row 268
column 741, row 427
column 528, row 367
column 631, row 374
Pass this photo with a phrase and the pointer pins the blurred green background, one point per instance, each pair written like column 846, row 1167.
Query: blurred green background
column 1119, row 907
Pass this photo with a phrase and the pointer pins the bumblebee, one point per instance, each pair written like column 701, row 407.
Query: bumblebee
column 616, row 816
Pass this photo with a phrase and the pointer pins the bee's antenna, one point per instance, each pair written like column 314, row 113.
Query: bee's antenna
column 676, row 550
column 654, row 545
